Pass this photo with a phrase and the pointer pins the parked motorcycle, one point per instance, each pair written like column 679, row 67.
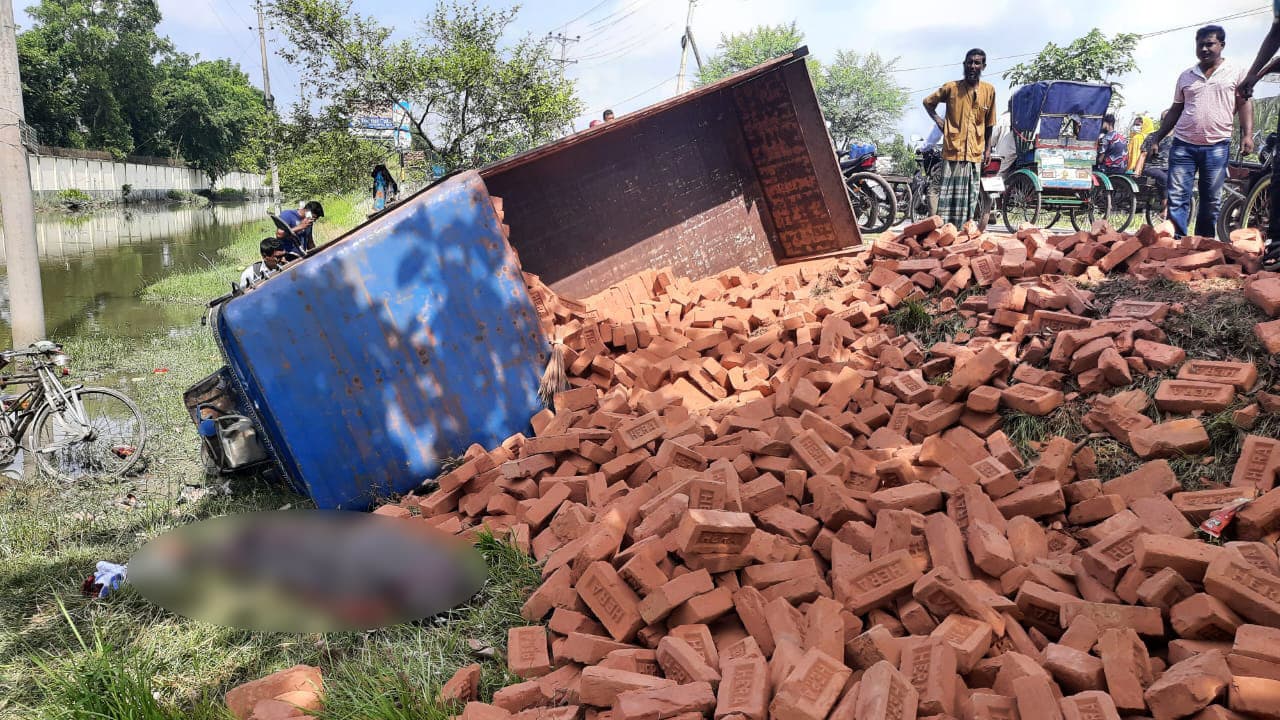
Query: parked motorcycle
column 871, row 195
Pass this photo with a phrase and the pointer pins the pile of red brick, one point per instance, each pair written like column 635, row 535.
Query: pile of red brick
column 758, row 500
column 1088, row 254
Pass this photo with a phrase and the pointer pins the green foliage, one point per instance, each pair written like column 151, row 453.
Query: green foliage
column 331, row 161
column 912, row 316
column 96, row 75
column 740, row 51
column 210, row 110
column 860, row 96
column 473, row 99
column 1092, row 58
column 230, row 194
column 89, row 74
column 74, row 199
column 902, row 158
column 858, row 93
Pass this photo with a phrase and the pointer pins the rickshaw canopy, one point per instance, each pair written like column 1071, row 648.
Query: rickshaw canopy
column 1038, row 111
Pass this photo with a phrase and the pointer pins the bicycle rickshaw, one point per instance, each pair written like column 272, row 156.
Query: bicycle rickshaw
column 1056, row 125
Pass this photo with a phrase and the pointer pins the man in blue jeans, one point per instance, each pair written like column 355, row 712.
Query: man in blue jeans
column 1204, row 101
column 1264, row 64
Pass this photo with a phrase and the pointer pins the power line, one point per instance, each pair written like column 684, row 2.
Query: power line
column 596, row 39
column 1225, row 18
column 646, row 91
column 589, row 10
column 596, row 58
column 629, row 9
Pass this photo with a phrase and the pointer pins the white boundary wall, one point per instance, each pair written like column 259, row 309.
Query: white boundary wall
column 103, row 179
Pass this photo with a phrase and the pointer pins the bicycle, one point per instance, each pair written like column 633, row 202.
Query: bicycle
column 1245, row 178
column 73, row 432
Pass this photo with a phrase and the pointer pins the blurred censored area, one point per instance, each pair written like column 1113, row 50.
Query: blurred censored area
column 306, row 571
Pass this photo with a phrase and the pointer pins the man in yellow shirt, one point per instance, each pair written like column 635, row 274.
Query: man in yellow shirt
column 966, row 138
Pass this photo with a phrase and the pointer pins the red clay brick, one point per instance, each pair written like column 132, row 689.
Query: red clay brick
column 1032, row 399
column 886, row 694
column 1186, row 396
column 1246, row 590
column 600, row 685
column 1188, row 686
column 612, row 602
column 668, row 702
column 527, row 654
column 1258, row 464
column 1152, row 478
column 1190, row 558
column 931, row 668
column 1089, row 705
column 744, row 690
column 1126, row 666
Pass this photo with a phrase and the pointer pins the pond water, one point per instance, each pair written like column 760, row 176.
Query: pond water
column 93, row 266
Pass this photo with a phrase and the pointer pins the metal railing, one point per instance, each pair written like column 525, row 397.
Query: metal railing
column 29, row 137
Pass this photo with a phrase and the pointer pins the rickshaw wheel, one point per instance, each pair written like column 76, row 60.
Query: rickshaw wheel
column 1099, row 205
column 1124, row 204
column 1020, row 202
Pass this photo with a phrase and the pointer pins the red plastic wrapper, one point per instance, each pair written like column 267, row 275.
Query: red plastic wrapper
column 1222, row 517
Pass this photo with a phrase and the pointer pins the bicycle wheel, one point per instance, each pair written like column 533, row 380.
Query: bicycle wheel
column 101, row 433
column 1257, row 209
column 1153, row 207
column 906, row 201
column 1020, row 202
column 931, row 192
column 1124, row 203
column 879, row 201
column 866, row 209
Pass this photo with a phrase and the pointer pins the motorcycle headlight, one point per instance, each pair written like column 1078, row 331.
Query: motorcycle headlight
column 61, row 360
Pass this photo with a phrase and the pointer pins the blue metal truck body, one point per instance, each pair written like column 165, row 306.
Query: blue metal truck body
column 391, row 349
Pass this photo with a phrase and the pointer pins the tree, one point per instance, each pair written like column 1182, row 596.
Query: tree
column 901, row 156
column 1092, row 58
column 318, row 154
column 89, row 74
column 472, row 100
column 860, row 96
column 210, row 109
column 741, row 51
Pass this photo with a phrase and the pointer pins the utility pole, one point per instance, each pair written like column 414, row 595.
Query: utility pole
column 564, row 41
column 684, row 48
column 271, row 105
column 688, row 37
column 22, row 256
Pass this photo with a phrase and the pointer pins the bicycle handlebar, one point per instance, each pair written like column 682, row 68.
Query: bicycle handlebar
column 30, row 352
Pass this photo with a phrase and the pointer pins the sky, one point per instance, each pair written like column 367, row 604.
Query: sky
column 628, row 54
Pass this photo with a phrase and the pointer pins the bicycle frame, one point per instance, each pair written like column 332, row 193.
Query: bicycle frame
column 43, row 390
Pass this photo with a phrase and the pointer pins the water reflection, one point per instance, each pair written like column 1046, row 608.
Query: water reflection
column 93, row 267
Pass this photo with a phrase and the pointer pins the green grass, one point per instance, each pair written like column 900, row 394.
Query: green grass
column 341, row 214
column 912, row 316
column 919, row 319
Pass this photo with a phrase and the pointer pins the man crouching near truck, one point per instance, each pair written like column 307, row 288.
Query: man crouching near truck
column 966, row 138
column 273, row 258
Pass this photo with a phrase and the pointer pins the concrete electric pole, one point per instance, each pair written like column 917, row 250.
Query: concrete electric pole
column 22, row 257
column 684, row 47
column 271, row 105
column 564, row 41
